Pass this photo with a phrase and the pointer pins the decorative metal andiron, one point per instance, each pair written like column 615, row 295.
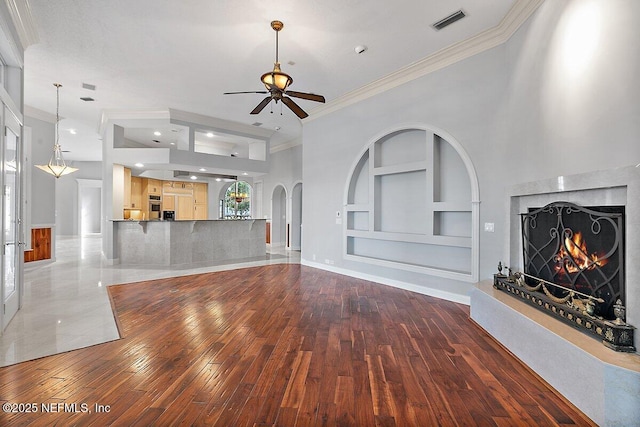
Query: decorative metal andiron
column 575, row 308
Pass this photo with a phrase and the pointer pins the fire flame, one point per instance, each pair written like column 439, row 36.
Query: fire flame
column 574, row 257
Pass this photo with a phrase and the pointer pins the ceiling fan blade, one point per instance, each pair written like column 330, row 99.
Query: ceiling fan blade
column 294, row 107
column 309, row 96
column 261, row 106
column 235, row 93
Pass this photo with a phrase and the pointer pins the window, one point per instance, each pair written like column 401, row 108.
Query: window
column 237, row 201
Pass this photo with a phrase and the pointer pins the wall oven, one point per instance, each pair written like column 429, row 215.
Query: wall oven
column 155, row 206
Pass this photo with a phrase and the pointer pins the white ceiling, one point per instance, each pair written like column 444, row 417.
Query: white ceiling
column 153, row 55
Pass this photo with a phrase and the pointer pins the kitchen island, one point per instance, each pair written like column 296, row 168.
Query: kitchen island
column 188, row 241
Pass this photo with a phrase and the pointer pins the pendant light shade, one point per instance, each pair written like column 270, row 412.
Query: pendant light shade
column 57, row 166
column 276, row 78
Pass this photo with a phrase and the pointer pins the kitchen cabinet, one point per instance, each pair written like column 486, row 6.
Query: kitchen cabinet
column 154, row 187
column 127, row 189
column 200, row 211
column 132, row 197
column 200, row 193
column 187, row 199
column 136, row 192
column 200, row 208
column 184, row 207
column 168, row 203
column 177, row 187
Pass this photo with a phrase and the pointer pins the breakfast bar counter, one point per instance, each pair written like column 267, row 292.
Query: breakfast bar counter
column 188, row 241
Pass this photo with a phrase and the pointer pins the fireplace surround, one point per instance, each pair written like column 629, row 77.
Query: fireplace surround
column 573, row 269
column 604, row 384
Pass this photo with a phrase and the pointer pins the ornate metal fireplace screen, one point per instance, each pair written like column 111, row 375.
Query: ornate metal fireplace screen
column 579, row 248
column 574, row 269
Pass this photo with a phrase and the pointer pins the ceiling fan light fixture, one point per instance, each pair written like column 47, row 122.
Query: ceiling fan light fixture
column 277, row 84
column 276, row 78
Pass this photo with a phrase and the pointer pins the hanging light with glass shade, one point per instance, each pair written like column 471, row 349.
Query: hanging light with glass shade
column 57, row 166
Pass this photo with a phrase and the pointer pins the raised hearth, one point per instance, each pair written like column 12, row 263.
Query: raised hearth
column 604, row 384
column 616, row 336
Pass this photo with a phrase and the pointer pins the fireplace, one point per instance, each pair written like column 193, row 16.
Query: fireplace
column 573, row 267
column 578, row 248
column 604, row 384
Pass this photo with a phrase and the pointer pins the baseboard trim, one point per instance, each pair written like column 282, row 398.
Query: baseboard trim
column 412, row 287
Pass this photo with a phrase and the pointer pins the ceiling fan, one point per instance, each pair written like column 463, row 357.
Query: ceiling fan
column 277, row 84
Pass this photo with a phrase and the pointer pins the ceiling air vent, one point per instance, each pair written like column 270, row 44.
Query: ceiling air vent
column 256, row 124
column 87, row 99
column 455, row 16
column 88, row 86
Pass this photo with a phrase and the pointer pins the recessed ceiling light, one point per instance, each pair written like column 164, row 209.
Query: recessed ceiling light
column 202, row 170
column 218, row 179
column 360, row 49
column 193, row 177
column 210, row 134
column 72, row 131
column 244, row 173
column 157, row 133
column 139, row 165
column 172, row 143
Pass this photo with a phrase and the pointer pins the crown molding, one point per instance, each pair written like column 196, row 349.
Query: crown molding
column 20, row 11
column 285, row 146
column 517, row 15
column 35, row 113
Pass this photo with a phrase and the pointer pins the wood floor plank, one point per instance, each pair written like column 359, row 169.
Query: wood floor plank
column 285, row 345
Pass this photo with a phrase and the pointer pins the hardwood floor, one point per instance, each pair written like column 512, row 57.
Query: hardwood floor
column 283, row 345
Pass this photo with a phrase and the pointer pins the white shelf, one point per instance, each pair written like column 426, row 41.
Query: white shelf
column 460, row 242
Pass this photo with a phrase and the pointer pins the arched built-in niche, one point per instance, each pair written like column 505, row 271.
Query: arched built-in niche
column 412, row 203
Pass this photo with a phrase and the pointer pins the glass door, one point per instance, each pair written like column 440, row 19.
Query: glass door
column 11, row 246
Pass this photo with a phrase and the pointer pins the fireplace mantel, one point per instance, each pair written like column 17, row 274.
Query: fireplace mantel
column 606, row 388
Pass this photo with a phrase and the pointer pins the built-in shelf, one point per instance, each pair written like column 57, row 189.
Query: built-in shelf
column 409, row 205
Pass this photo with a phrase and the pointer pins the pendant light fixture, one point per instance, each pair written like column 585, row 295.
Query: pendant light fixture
column 57, row 166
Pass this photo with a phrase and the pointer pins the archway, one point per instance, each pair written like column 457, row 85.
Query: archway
column 296, row 217
column 279, row 216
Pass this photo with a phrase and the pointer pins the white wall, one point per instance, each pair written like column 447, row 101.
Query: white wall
column 285, row 171
column 66, row 196
column 90, row 206
column 42, row 184
column 517, row 111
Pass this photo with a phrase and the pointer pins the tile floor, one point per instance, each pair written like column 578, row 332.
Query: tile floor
column 66, row 305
